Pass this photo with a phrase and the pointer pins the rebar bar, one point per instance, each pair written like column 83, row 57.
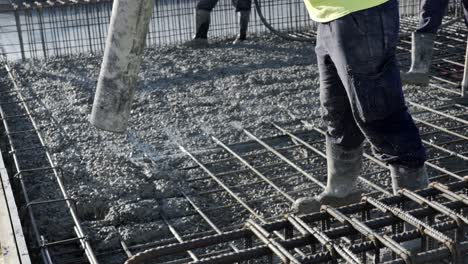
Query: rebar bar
column 81, row 237
column 348, row 226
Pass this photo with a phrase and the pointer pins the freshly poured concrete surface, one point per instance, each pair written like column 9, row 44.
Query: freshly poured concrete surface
column 13, row 248
column 122, row 181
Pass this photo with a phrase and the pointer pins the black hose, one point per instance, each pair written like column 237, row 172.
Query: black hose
column 283, row 35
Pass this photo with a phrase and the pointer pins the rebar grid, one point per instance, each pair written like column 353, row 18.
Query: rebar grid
column 289, row 165
column 368, row 229
column 279, row 166
column 14, row 107
column 272, row 164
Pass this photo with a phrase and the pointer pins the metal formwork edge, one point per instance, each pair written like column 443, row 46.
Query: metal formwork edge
column 13, row 249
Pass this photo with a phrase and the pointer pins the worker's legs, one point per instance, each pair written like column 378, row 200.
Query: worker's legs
column 371, row 76
column 243, row 9
column 431, row 15
column 362, row 47
column 202, row 22
column 343, row 141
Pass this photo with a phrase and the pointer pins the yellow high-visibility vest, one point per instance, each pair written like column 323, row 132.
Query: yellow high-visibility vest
column 328, row 10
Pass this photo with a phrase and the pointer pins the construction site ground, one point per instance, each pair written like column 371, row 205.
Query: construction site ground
column 139, row 186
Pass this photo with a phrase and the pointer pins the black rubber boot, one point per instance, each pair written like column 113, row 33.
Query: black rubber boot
column 202, row 25
column 343, row 167
column 244, row 19
column 421, row 57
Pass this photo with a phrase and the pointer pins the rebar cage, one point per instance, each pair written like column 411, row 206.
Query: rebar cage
column 41, row 29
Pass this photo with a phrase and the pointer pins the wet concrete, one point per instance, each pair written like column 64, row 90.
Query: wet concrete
column 124, row 183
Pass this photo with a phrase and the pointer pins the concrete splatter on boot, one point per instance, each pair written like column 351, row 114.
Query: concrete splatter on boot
column 421, row 58
column 411, row 179
column 244, row 19
column 343, row 167
column 202, row 24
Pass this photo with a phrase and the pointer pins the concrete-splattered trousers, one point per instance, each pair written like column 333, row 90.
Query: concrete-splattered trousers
column 360, row 88
column 432, row 13
column 239, row 5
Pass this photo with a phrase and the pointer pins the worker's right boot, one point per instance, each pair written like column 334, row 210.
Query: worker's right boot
column 202, row 24
column 344, row 166
column 421, row 58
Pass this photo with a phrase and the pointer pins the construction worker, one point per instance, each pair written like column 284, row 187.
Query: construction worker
column 203, row 18
column 361, row 98
column 431, row 15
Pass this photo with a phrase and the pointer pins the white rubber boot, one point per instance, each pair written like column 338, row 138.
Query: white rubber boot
column 421, row 58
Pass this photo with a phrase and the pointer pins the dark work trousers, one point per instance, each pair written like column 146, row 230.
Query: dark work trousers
column 239, row 5
column 432, row 13
column 360, row 88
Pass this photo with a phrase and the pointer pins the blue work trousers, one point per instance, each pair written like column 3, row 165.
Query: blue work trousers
column 360, row 88
column 432, row 13
column 239, row 5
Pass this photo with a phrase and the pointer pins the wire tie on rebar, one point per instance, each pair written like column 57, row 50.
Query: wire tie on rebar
column 43, row 242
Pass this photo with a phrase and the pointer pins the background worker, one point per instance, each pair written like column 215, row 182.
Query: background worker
column 203, row 19
column 430, row 20
column 361, row 97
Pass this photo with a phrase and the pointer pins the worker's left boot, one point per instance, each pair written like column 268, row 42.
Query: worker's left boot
column 408, row 178
column 411, row 179
column 421, row 58
column 244, row 19
column 344, row 166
